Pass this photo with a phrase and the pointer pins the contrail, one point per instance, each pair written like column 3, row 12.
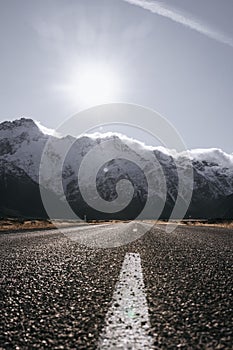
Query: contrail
column 171, row 13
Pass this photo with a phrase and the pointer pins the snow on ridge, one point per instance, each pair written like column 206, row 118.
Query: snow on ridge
column 131, row 142
column 212, row 155
column 109, row 134
column 14, row 128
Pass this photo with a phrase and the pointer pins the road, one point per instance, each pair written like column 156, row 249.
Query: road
column 161, row 291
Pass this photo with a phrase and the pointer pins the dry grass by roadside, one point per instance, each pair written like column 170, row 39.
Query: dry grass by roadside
column 10, row 224
column 18, row 224
column 216, row 224
column 209, row 223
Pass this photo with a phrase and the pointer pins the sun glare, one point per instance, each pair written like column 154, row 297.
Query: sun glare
column 93, row 84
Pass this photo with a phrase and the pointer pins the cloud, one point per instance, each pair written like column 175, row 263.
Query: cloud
column 46, row 130
column 176, row 16
column 212, row 155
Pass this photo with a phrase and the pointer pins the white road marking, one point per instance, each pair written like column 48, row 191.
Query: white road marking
column 127, row 322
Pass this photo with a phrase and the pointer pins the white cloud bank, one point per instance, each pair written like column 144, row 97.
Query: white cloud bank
column 169, row 12
column 212, row 155
column 46, row 130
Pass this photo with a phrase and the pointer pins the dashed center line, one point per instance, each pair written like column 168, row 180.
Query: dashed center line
column 127, row 322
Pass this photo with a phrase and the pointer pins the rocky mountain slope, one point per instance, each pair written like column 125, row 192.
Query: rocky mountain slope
column 21, row 146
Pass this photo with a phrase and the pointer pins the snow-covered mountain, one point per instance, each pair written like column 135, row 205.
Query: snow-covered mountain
column 22, row 143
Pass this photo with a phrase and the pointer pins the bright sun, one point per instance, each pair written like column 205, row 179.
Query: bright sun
column 93, row 84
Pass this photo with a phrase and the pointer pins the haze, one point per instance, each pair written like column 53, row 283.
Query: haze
column 178, row 61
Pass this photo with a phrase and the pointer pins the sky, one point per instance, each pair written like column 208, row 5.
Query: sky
column 173, row 56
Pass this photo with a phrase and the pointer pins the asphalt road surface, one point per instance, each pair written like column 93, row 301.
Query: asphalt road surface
column 161, row 291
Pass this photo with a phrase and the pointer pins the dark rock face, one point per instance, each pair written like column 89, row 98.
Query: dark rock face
column 19, row 194
column 22, row 144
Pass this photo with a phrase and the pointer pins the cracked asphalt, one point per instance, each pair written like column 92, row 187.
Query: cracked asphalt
column 55, row 292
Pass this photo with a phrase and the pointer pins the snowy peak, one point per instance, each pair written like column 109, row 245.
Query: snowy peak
column 28, row 128
column 25, row 126
column 18, row 123
column 212, row 156
column 22, row 143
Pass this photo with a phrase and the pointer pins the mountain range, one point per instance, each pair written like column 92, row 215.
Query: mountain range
column 22, row 142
